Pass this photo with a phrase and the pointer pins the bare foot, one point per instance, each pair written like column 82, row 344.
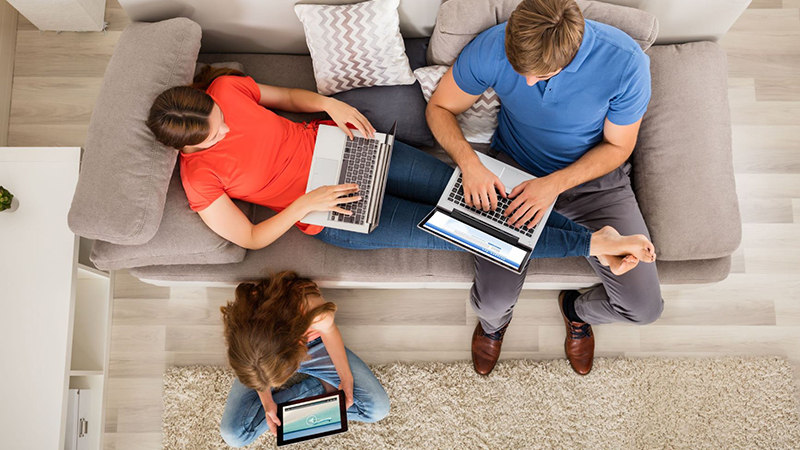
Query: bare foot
column 607, row 241
column 618, row 264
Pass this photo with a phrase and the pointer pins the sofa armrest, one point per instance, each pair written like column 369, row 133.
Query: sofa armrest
column 124, row 172
column 682, row 164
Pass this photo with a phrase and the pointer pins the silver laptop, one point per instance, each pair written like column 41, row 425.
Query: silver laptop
column 340, row 160
column 487, row 234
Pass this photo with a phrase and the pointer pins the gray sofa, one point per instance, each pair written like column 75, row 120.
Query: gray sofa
column 130, row 199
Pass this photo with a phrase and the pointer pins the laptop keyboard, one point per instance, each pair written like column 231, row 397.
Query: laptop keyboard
column 358, row 165
column 457, row 196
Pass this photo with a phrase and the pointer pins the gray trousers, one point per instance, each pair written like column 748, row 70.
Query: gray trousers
column 634, row 297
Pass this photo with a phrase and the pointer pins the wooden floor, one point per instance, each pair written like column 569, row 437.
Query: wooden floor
column 755, row 311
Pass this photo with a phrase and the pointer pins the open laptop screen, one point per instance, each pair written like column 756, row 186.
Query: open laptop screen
column 476, row 240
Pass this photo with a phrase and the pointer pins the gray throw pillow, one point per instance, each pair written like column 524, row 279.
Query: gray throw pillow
column 459, row 21
column 382, row 105
column 125, row 172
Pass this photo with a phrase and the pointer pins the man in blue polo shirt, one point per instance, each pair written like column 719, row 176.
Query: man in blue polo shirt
column 572, row 93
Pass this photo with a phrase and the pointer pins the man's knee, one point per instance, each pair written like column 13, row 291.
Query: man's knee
column 640, row 306
column 493, row 304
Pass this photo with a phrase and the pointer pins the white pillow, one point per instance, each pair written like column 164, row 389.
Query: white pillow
column 479, row 121
column 355, row 46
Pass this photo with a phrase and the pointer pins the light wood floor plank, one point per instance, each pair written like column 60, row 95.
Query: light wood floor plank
column 139, row 419
column 758, row 4
column 367, row 307
column 759, row 20
column 779, row 90
column 128, row 286
column 766, row 210
column 35, row 104
column 138, row 338
column 768, row 185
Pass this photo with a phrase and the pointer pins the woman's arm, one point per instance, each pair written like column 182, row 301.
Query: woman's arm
column 303, row 101
column 332, row 339
column 228, row 221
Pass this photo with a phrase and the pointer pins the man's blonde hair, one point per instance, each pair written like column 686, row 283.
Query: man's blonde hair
column 542, row 36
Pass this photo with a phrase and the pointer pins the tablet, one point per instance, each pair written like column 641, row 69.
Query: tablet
column 312, row 417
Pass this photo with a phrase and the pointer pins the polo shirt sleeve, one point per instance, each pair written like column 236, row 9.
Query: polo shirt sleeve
column 202, row 188
column 630, row 104
column 475, row 70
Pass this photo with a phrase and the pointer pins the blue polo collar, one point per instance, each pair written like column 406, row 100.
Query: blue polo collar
column 586, row 47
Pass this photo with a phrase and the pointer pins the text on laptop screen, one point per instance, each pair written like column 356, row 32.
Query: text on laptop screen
column 475, row 239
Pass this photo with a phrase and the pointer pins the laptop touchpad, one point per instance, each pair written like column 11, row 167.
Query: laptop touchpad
column 325, row 171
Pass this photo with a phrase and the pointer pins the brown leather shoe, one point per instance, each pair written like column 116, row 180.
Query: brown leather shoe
column 579, row 344
column 486, row 348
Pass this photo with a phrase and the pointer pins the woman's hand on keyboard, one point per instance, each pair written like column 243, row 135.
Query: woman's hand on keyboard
column 342, row 114
column 481, row 186
column 328, row 198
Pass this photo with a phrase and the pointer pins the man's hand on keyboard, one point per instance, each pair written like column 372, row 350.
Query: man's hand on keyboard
column 481, row 186
column 327, row 198
column 531, row 200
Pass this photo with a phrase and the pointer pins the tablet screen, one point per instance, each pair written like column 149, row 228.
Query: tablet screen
column 476, row 240
column 311, row 418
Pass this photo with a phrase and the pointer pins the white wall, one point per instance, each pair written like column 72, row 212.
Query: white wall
column 263, row 26
column 270, row 26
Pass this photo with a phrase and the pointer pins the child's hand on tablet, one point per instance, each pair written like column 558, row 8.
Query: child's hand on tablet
column 271, row 411
column 347, row 386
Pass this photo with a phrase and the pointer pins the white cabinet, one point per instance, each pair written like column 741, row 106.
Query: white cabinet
column 63, row 15
column 55, row 324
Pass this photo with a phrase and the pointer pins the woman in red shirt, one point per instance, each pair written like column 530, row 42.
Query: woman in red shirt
column 232, row 146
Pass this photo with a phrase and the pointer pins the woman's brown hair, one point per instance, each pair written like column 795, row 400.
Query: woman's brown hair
column 179, row 115
column 265, row 328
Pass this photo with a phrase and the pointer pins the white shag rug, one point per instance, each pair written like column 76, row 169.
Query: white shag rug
column 624, row 403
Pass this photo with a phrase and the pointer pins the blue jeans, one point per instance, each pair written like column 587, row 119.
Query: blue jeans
column 416, row 181
column 244, row 419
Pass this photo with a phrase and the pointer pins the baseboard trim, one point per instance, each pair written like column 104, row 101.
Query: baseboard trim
column 8, row 44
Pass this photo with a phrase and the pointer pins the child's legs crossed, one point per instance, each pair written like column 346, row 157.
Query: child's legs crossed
column 371, row 403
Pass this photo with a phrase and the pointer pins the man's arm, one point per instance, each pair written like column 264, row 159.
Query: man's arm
column 533, row 197
column 446, row 103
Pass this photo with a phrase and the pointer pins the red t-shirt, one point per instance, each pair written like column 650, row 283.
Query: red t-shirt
column 264, row 158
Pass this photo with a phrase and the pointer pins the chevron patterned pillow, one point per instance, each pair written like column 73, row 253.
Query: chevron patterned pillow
column 479, row 121
column 355, row 46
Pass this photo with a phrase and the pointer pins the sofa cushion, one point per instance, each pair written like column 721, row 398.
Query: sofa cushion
column 125, row 172
column 682, row 164
column 225, row 64
column 330, row 265
column 383, row 105
column 182, row 238
column 356, row 45
column 459, row 21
